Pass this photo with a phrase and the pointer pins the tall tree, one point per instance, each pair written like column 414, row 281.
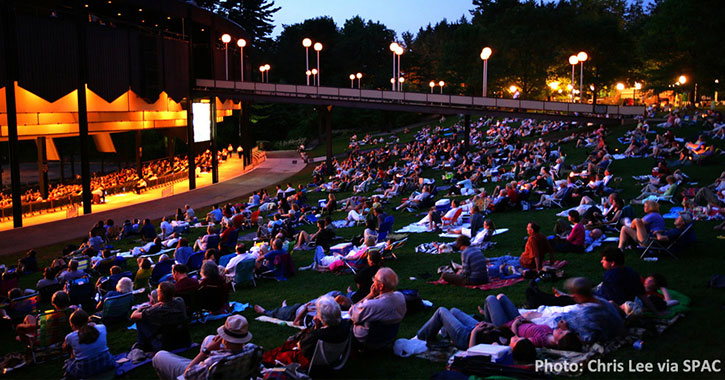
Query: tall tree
column 255, row 16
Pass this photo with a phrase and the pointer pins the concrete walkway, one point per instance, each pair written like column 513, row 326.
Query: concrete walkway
column 277, row 167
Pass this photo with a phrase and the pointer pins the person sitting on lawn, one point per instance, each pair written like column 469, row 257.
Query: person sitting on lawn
column 641, row 229
column 231, row 338
column 473, row 265
column 328, row 326
column 620, row 283
column 266, row 262
column 123, row 286
column 151, row 319
column 382, row 305
column 681, row 224
column 182, row 282
column 575, row 240
column 88, row 348
column 655, row 287
column 60, row 302
column 416, row 199
column 323, row 237
column 183, row 252
column 537, row 246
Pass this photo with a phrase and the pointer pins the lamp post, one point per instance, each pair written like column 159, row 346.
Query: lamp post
column 432, row 84
column 620, row 88
column 307, row 43
column 582, row 56
column 637, row 86
column 358, row 76
column 441, row 83
column 399, row 52
column 307, row 74
column 717, row 83
column 314, row 77
column 226, row 38
column 393, row 47
column 681, row 81
column 485, row 54
column 241, row 43
column 261, row 70
column 401, row 80
column 318, row 48
column 352, row 80
column 266, row 70
column 573, row 60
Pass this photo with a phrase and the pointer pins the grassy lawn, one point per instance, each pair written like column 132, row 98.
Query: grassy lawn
column 697, row 336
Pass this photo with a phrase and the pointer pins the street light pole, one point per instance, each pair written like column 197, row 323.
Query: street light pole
column 358, row 76
column 485, row 54
column 582, row 56
column 393, row 48
column 441, row 83
column 226, row 39
column 318, row 48
column 241, row 43
column 399, row 52
column 307, row 43
column 432, row 84
column 352, row 80
column 573, row 60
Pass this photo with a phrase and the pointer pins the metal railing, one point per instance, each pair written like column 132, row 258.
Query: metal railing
column 416, row 98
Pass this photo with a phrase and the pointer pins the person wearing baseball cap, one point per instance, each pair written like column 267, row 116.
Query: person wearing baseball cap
column 232, row 338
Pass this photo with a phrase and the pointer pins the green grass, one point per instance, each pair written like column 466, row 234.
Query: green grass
column 697, row 336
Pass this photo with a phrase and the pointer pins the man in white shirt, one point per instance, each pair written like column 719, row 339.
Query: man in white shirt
column 166, row 228
column 240, row 256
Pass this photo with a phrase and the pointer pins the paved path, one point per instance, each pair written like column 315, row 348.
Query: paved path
column 277, row 167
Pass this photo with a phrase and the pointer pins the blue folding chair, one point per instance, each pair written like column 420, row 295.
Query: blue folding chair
column 195, row 261
column 160, row 270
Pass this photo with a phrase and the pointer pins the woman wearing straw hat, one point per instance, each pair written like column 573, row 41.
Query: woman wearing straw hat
column 231, row 339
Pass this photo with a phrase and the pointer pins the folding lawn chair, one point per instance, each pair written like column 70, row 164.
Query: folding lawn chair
column 330, row 355
column 244, row 273
column 50, row 331
column 117, row 308
column 670, row 247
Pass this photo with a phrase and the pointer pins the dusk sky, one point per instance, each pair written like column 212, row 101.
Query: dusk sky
column 398, row 15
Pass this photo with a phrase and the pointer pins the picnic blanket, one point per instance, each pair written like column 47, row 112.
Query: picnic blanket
column 503, row 271
column 127, row 365
column 636, row 330
column 235, row 307
column 413, row 228
column 277, row 321
column 343, row 224
column 492, row 284
column 673, row 213
column 498, row 231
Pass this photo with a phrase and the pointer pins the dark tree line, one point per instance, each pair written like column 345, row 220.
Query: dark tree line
column 626, row 41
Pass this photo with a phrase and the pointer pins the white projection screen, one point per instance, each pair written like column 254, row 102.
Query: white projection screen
column 202, row 121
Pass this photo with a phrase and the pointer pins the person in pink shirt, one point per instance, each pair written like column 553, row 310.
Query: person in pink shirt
column 575, row 241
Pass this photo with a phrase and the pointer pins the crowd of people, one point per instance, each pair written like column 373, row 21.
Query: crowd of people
column 121, row 180
column 182, row 277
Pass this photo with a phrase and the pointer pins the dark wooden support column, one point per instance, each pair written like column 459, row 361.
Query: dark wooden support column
column 11, row 76
column 189, row 114
column 42, row 167
column 81, row 22
column 324, row 115
column 247, row 143
column 139, row 155
column 214, row 148
column 467, row 133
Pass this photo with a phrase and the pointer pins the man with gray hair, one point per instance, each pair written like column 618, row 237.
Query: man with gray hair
column 383, row 305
